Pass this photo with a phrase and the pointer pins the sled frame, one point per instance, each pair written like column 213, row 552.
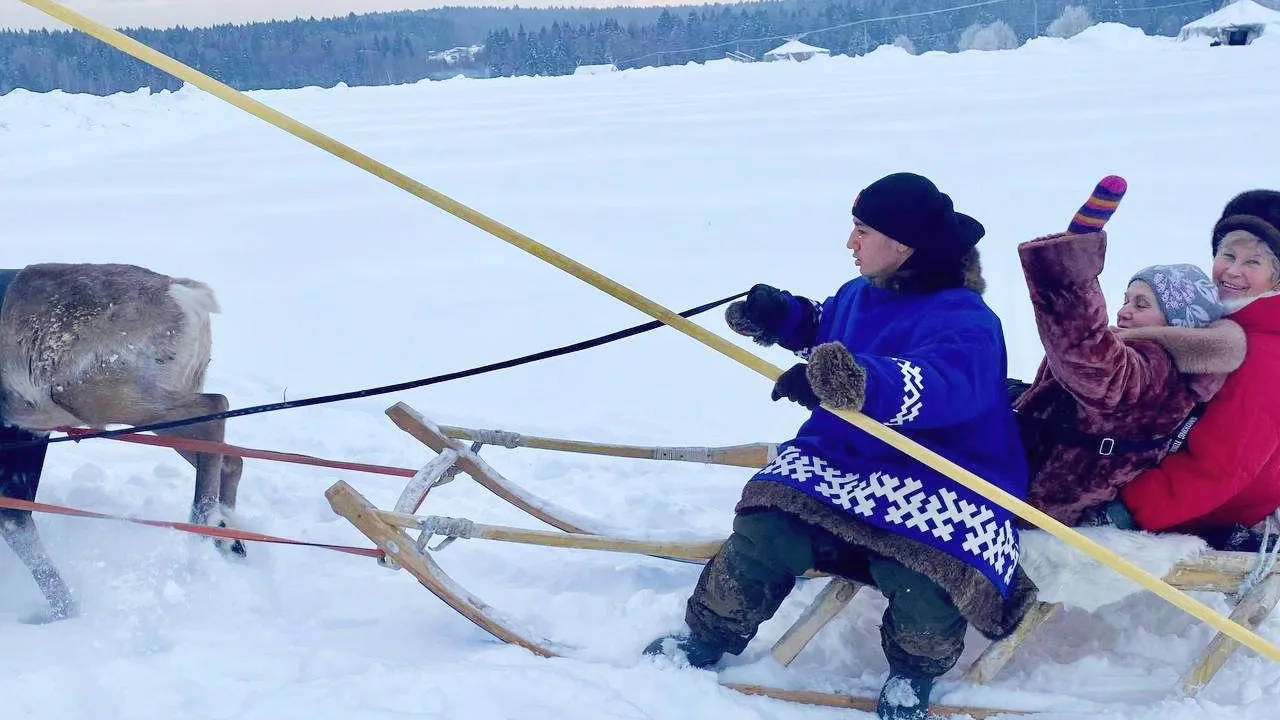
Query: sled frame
column 1213, row 571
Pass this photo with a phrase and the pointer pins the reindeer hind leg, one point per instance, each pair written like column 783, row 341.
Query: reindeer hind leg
column 232, row 469
column 126, row 401
column 217, row 476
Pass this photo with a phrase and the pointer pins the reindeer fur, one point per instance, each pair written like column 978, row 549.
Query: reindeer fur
column 102, row 344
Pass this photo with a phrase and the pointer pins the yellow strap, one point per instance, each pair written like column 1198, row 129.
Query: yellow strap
column 153, row 57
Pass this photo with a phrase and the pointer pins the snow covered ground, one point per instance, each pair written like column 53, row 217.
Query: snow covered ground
column 685, row 184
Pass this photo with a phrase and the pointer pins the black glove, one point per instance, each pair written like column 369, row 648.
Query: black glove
column 794, row 385
column 760, row 316
column 1114, row 514
column 1234, row 538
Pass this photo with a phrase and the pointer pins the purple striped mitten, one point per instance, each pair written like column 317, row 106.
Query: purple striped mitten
column 1100, row 206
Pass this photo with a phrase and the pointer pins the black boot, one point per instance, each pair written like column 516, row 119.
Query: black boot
column 905, row 697
column 700, row 653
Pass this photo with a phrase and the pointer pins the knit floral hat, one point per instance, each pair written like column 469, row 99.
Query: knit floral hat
column 1186, row 296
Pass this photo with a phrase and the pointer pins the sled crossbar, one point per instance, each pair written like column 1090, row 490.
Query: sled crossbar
column 752, row 455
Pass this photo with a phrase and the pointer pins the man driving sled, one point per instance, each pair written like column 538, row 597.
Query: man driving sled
column 911, row 344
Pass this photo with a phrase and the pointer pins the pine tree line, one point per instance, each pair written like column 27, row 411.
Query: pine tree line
column 400, row 47
column 856, row 27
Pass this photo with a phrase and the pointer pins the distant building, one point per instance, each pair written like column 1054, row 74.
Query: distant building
column 1239, row 23
column 456, row 55
column 595, row 69
column 794, row 50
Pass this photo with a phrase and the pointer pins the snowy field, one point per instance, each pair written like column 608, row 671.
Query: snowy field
column 686, row 184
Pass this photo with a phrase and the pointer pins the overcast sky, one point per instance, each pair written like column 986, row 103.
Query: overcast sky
column 166, row 13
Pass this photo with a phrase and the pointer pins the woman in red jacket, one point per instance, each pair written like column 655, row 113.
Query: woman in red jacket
column 1228, row 472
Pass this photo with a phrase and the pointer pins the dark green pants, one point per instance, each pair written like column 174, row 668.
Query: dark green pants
column 922, row 632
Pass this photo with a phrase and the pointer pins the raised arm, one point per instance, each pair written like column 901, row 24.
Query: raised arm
column 1085, row 355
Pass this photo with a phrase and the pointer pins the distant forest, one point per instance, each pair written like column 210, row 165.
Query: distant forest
column 403, row 47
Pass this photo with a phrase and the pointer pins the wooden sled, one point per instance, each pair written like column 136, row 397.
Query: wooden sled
column 1212, row 571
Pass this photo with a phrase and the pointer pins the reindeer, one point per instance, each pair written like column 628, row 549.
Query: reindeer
column 96, row 345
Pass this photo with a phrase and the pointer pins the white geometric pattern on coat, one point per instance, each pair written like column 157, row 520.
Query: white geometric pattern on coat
column 908, row 504
column 912, row 387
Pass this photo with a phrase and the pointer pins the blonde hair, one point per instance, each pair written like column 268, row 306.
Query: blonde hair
column 1235, row 239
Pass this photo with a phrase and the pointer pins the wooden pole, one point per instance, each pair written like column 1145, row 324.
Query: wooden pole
column 693, row 550
column 752, row 455
column 1252, row 609
column 865, row 704
column 830, row 601
column 999, row 653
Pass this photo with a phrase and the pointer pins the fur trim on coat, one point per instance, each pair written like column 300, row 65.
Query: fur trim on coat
column 976, row 598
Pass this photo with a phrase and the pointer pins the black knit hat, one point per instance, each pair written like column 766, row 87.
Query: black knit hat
column 1256, row 212
column 910, row 209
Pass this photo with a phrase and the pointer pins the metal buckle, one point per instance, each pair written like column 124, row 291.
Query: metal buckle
column 1106, row 446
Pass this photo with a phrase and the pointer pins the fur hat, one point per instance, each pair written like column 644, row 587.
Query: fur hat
column 1257, row 212
column 910, row 209
column 1186, row 296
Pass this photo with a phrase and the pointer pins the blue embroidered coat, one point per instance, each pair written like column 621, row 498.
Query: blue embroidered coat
column 936, row 367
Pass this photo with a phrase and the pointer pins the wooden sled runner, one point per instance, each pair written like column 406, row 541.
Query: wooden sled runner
column 1211, row 571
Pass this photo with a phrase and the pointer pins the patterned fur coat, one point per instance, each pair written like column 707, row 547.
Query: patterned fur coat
column 1134, row 386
